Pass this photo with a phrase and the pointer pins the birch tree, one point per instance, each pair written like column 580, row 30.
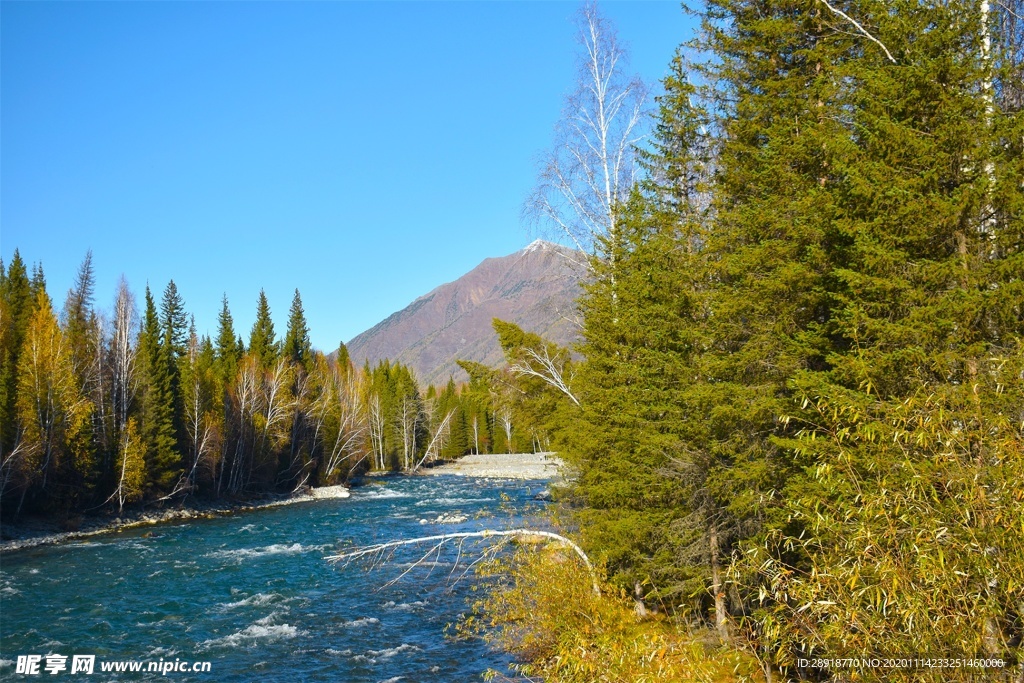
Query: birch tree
column 377, row 423
column 201, row 418
column 339, row 421
column 591, row 165
column 131, row 470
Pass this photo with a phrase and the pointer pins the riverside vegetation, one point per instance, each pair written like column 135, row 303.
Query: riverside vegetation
column 107, row 411
column 797, row 412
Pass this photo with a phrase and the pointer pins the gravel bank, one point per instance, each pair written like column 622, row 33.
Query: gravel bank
column 503, row 466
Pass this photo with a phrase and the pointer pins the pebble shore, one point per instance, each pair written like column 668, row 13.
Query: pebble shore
column 503, row 466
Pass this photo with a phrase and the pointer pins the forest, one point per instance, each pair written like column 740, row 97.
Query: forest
column 795, row 419
column 797, row 422
column 106, row 409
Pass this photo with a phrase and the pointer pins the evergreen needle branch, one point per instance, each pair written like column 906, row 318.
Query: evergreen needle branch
column 860, row 28
column 440, row 539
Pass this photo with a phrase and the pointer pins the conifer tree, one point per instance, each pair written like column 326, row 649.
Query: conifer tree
column 163, row 462
column 343, row 359
column 38, row 282
column 297, row 347
column 174, row 322
column 79, row 318
column 915, row 431
column 202, row 409
column 229, row 350
column 84, row 340
column 262, row 342
column 457, row 443
column 16, row 305
column 173, row 348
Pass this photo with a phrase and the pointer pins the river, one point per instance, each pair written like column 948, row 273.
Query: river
column 253, row 595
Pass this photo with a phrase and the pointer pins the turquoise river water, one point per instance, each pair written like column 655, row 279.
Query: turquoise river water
column 253, row 595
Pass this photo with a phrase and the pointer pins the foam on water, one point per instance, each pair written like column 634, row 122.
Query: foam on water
column 392, row 651
column 275, row 549
column 380, row 492
column 403, row 606
column 253, row 635
column 253, row 601
column 251, row 591
column 453, row 501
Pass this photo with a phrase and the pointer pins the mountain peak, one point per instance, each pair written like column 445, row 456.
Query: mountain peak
column 537, row 245
column 453, row 321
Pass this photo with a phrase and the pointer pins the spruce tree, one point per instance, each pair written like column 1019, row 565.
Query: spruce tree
column 79, row 318
column 343, row 359
column 297, row 348
column 174, row 322
column 38, row 284
column 262, row 342
column 173, row 348
column 915, row 431
column 163, row 462
column 228, row 348
column 16, row 306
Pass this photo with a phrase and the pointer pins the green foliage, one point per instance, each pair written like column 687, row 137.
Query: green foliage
column 163, row 461
column 800, row 406
column 262, row 342
column 54, row 453
column 297, row 348
column 229, row 348
column 16, row 307
column 546, row 613
column 398, row 420
column 533, row 393
column 912, row 440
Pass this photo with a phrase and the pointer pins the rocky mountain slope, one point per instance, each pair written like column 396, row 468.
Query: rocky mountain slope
column 535, row 288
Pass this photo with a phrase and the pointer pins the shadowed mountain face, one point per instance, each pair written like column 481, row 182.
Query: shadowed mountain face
column 535, row 288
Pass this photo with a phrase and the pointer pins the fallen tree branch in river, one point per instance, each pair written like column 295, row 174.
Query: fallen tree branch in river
column 440, row 539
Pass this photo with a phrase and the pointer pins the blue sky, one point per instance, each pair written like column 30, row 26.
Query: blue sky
column 363, row 153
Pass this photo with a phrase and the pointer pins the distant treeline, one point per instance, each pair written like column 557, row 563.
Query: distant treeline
column 101, row 409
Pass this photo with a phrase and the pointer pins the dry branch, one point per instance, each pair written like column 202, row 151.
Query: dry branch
column 860, row 28
column 441, row 539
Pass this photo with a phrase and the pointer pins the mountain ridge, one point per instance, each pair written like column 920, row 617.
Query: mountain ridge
column 535, row 287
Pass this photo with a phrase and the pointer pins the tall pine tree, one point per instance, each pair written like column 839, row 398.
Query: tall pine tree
column 163, row 460
column 262, row 342
column 297, row 348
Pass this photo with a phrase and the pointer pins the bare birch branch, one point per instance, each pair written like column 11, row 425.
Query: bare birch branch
column 591, row 166
column 548, row 371
column 440, row 539
column 437, row 442
column 860, row 28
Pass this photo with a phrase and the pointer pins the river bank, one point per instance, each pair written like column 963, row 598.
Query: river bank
column 503, row 466
column 31, row 532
